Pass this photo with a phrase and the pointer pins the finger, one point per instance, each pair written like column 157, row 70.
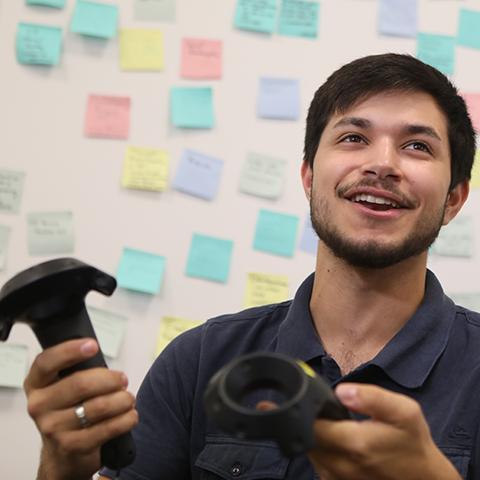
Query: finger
column 45, row 368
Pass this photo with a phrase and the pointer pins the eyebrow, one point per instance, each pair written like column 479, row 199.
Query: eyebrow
column 412, row 129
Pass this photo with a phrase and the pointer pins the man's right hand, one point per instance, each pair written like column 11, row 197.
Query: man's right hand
column 71, row 451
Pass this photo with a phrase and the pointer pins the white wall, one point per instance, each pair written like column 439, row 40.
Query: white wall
column 41, row 133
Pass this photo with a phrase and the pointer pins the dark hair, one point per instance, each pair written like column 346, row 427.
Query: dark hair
column 364, row 77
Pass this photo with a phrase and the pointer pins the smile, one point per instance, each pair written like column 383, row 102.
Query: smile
column 374, row 202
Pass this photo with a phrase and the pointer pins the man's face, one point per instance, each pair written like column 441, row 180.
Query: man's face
column 379, row 186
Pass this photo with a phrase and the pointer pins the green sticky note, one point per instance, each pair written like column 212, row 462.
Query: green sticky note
column 154, row 10
column 50, row 233
column 276, row 233
column 299, row 18
column 11, row 190
column 469, row 28
column 95, row 19
column 13, row 364
column 38, row 44
column 192, row 107
column 470, row 300
column 209, row 258
column 4, row 237
column 256, row 15
column 47, row 3
column 437, row 50
column 141, row 271
column 109, row 328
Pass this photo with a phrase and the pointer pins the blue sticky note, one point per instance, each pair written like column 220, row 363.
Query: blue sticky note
column 38, row 44
column 398, row 17
column 279, row 98
column 209, row 258
column 95, row 19
column 275, row 233
column 437, row 50
column 140, row 271
column 198, row 175
column 256, row 15
column 192, row 107
column 47, row 3
column 469, row 28
column 309, row 239
column 299, row 18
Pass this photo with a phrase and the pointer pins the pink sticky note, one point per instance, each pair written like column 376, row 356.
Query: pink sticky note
column 107, row 116
column 201, row 58
column 473, row 104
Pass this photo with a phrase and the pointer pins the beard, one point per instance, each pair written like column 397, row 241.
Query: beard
column 372, row 253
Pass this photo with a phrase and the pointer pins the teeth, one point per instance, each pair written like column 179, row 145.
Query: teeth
column 362, row 197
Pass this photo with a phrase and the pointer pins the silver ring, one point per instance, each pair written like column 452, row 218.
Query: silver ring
column 82, row 417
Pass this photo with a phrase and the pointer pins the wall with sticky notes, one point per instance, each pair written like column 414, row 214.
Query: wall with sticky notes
column 161, row 141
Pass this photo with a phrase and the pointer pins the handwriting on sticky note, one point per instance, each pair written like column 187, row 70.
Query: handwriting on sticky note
column 107, row 116
column 13, row 364
column 141, row 49
column 4, row 238
column 279, row 98
column 398, row 17
column 437, row 50
column 110, row 330
column 155, row 10
column 145, row 169
column 198, row 174
column 456, row 239
column 192, row 107
column 256, row 15
column 141, row 271
column 171, row 327
column 11, row 190
column 50, row 233
column 201, row 58
column 264, row 288
column 469, row 28
column 38, row 44
column 299, row 18
column 309, row 239
column 95, row 19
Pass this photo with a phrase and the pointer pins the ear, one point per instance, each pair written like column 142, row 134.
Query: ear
column 455, row 200
column 307, row 177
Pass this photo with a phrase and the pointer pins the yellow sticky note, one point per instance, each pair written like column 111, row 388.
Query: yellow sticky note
column 263, row 288
column 145, row 169
column 170, row 328
column 141, row 49
column 475, row 180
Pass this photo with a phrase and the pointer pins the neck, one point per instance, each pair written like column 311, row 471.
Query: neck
column 356, row 311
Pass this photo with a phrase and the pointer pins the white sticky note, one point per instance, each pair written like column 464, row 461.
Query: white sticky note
column 110, row 330
column 470, row 300
column 4, row 237
column 456, row 239
column 11, row 190
column 50, row 233
column 13, row 364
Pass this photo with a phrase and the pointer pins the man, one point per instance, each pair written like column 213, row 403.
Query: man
column 389, row 148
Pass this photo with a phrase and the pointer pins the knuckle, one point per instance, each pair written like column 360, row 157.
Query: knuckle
column 34, row 406
column 80, row 384
column 101, row 407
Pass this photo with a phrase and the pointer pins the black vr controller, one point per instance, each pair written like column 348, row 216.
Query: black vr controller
column 50, row 298
column 305, row 397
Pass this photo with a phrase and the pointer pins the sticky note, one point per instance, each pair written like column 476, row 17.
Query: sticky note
column 47, row 3
column 107, row 117
column 198, row 174
column 50, row 233
column 171, row 327
column 264, row 288
column 141, row 271
column 437, row 50
column 398, row 17
column 13, row 364
column 275, row 233
column 469, row 28
column 456, row 239
column 209, row 258
column 95, row 19
column 145, row 169
column 201, row 58
column 309, row 239
column 141, row 49
column 38, row 44
column 11, row 190
column 154, row 10
column 256, row 15
column 470, row 300
column 475, row 179
column 4, row 238
column 299, row 18
column 109, row 328
column 263, row 176
column 192, row 107
column 473, row 104
column 279, row 98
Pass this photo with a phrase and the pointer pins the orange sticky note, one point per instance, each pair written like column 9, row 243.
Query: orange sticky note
column 107, row 117
column 201, row 58
column 473, row 104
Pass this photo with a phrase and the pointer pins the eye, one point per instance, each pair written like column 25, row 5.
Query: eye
column 352, row 138
column 420, row 146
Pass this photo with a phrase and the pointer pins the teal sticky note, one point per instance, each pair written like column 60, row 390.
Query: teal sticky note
column 209, row 258
column 13, row 364
column 437, row 50
column 47, row 3
column 38, row 44
column 50, row 233
column 192, row 107
column 275, row 233
column 95, row 19
column 4, row 237
column 299, row 18
column 256, row 15
column 140, row 271
column 469, row 28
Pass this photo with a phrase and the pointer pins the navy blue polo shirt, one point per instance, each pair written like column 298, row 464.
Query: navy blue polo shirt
column 434, row 358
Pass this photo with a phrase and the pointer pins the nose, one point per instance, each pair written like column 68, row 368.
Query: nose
column 383, row 161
